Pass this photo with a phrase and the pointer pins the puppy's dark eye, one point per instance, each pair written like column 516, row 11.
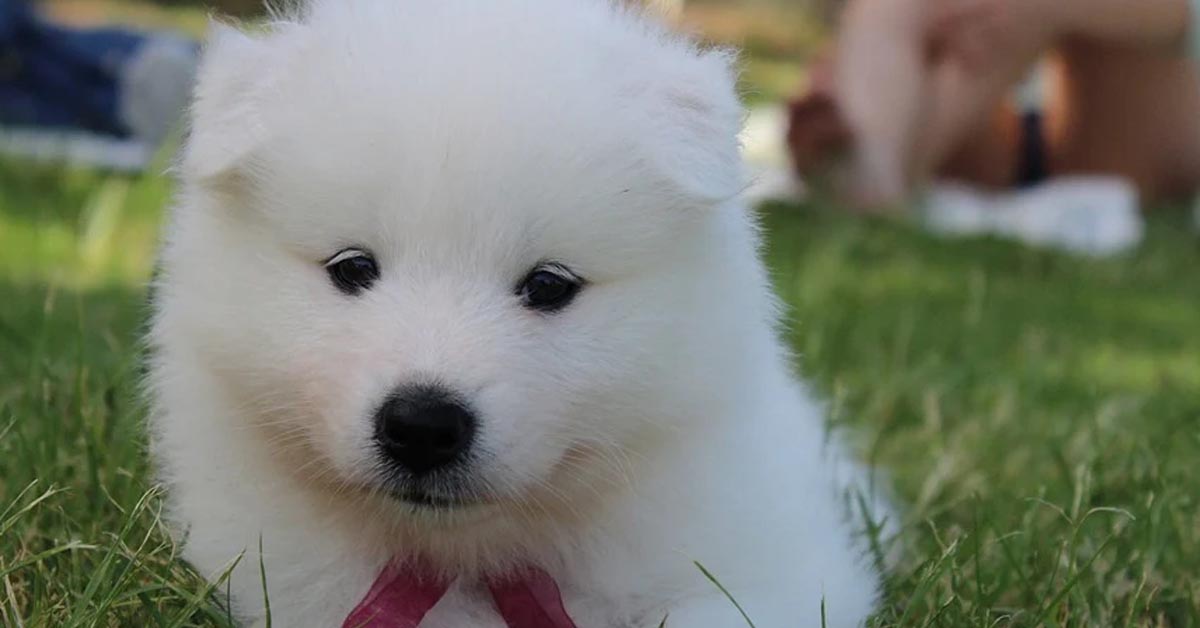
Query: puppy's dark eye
column 549, row 288
column 352, row 271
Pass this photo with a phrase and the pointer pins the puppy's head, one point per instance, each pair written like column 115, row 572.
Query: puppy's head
column 464, row 253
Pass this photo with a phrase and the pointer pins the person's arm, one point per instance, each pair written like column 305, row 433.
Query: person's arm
column 1163, row 23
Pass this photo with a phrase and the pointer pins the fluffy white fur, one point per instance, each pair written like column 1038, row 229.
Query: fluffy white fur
column 652, row 423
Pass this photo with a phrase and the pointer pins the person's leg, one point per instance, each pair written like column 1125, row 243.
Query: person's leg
column 1128, row 103
column 880, row 84
column 968, row 109
column 917, row 79
column 991, row 154
column 1129, row 111
column 1147, row 24
column 936, row 103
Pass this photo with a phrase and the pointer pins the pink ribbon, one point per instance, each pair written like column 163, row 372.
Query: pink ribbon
column 403, row 594
column 400, row 598
column 530, row 601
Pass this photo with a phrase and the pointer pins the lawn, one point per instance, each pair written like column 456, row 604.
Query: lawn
column 1037, row 415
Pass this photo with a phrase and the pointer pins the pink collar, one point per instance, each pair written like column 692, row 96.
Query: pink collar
column 403, row 594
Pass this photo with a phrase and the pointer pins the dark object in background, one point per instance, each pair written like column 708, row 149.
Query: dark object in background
column 105, row 96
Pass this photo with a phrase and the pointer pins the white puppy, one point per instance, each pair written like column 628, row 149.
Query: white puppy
column 466, row 284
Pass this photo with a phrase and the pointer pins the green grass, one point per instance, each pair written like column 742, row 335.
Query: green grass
column 1038, row 415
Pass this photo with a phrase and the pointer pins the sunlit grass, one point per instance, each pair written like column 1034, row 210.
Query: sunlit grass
column 1037, row 414
column 77, row 229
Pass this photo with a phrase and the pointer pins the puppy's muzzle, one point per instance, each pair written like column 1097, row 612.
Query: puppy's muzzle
column 422, row 429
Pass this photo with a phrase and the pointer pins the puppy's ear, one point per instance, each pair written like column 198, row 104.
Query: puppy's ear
column 697, row 122
column 225, row 118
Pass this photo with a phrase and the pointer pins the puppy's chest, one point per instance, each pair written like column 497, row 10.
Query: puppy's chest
column 467, row 605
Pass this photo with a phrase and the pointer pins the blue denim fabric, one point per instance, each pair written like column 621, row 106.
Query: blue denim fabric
column 58, row 77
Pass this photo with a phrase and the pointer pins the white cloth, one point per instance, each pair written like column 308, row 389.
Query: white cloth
column 1086, row 215
column 764, row 149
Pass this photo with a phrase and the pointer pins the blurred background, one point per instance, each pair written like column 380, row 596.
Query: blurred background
column 1035, row 407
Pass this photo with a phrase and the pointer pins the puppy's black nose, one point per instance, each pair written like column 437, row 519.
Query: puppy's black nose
column 424, row 428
